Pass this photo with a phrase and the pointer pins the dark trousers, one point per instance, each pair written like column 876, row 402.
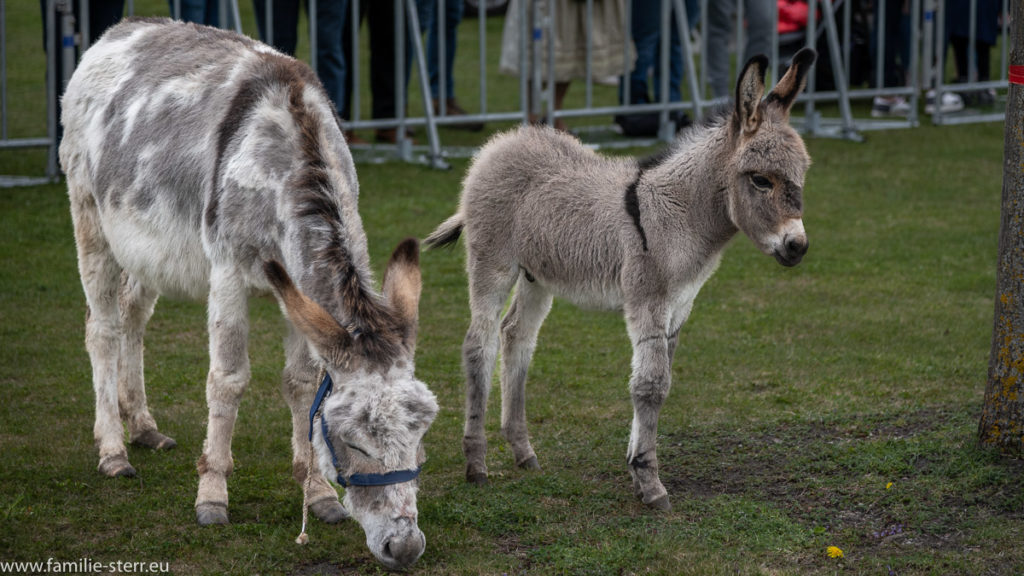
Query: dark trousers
column 332, row 16
column 380, row 14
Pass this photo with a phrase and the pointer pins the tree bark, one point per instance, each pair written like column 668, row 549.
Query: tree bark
column 1002, row 417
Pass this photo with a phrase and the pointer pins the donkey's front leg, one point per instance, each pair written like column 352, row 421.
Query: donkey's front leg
column 228, row 324
column 648, row 386
column 298, row 384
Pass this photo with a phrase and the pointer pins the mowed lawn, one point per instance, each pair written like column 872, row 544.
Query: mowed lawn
column 831, row 404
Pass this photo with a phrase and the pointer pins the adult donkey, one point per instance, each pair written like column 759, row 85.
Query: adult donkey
column 201, row 163
column 543, row 213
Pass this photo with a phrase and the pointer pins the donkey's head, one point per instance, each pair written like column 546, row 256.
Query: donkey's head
column 369, row 435
column 767, row 170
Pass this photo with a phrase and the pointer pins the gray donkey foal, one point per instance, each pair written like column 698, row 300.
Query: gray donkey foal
column 544, row 214
column 201, row 163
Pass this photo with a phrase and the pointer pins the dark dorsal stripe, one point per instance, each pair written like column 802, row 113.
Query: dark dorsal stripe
column 633, row 207
column 632, row 200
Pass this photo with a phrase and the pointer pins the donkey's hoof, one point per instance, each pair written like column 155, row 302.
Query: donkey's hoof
column 530, row 463
column 209, row 513
column 154, row 440
column 660, row 503
column 117, row 465
column 329, row 510
column 478, row 478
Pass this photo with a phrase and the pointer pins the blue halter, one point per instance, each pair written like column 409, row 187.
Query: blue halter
column 386, row 479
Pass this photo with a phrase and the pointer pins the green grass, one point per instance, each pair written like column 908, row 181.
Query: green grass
column 799, row 396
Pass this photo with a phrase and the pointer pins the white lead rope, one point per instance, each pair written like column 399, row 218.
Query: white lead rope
column 303, row 537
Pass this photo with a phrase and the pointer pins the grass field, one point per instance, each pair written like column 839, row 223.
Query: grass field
column 833, row 404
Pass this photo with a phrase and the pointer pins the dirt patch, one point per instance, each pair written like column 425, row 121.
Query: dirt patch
column 328, row 569
column 833, row 475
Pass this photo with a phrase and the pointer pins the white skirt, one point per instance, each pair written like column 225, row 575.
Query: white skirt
column 570, row 36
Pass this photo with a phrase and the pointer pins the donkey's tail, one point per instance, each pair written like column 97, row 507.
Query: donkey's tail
column 447, row 233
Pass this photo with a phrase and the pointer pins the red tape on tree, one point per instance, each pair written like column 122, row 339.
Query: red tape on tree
column 1017, row 75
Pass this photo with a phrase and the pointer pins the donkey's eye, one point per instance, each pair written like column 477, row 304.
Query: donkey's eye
column 358, row 449
column 760, row 182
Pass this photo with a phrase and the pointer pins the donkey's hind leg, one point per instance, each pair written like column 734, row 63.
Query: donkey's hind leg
column 488, row 291
column 136, row 305
column 530, row 305
column 298, row 385
column 101, row 279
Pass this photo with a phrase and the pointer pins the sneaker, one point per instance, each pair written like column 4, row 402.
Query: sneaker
column 884, row 106
column 951, row 102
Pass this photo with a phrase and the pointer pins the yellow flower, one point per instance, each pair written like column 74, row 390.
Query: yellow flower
column 834, row 552
column 888, row 486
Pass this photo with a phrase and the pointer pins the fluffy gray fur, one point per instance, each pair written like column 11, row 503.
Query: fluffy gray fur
column 546, row 215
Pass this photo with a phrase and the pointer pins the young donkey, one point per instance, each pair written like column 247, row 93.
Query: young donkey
column 543, row 213
column 202, row 163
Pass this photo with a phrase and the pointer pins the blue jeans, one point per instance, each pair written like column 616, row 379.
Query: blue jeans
column 332, row 21
column 332, row 17
column 429, row 23
column 198, row 11
column 646, row 32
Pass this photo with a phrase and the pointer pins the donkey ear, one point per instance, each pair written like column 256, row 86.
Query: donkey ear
column 749, row 90
column 329, row 338
column 402, row 286
column 793, row 81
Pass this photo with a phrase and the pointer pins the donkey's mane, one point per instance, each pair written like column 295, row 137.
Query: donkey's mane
column 376, row 325
column 715, row 118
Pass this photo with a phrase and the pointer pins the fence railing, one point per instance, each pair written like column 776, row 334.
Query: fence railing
column 832, row 26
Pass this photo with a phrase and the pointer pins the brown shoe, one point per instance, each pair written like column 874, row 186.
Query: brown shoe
column 353, row 138
column 452, row 108
column 390, row 136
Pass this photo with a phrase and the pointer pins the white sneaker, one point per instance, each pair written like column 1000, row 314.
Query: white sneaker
column 951, row 102
column 884, row 106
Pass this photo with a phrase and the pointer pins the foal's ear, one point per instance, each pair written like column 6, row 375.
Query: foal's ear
column 402, row 286
column 749, row 90
column 793, row 81
column 330, row 339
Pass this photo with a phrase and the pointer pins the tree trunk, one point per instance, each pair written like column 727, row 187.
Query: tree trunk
column 1002, row 417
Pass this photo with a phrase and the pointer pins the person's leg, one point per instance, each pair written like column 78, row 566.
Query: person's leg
column 561, row 89
column 285, row 23
column 453, row 16
column 189, row 10
column 984, row 53
column 331, row 62
column 760, row 20
column 675, row 64
column 646, row 14
column 720, row 27
column 102, row 15
column 381, row 17
column 959, row 44
column 348, row 54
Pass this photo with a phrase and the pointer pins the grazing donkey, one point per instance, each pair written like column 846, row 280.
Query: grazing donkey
column 201, row 163
column 543, row 213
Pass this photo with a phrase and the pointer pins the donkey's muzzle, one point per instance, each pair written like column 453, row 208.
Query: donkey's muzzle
column 401, row 551
column 792, row 251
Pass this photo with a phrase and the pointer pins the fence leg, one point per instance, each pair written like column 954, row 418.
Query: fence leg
column 435, row 158
column 849, row 129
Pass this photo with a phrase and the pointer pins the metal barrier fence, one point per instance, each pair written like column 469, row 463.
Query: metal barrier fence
column 830, row 27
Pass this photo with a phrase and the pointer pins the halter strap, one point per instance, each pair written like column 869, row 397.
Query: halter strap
column 386, row 479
